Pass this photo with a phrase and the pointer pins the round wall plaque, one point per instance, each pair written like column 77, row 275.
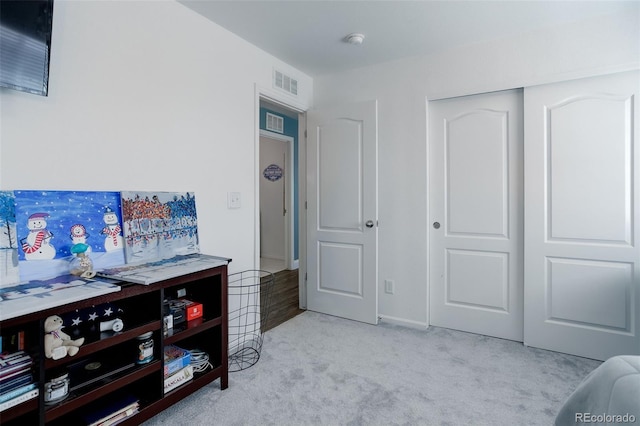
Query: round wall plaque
column 273, row 172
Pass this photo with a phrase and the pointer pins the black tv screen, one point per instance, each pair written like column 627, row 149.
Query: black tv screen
column 25, row 44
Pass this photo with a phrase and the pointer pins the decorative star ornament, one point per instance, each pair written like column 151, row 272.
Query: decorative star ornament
column 76, row 321
column 93, row 316
column 108, row 312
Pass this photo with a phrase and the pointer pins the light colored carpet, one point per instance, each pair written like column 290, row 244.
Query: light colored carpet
column 321, row 370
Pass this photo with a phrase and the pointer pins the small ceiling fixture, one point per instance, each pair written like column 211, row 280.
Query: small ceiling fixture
column 354, row 38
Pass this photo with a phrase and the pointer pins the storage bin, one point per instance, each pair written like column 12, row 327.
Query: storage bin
column 249, row 302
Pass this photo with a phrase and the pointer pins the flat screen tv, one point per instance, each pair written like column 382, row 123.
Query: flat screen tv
column 25, row 44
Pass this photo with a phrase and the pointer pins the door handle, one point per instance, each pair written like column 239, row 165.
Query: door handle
column 369, row 224
column 436, row 225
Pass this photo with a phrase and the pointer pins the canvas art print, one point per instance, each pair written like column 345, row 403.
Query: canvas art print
column 9, row 272
column 159, row 225
column 49, row 223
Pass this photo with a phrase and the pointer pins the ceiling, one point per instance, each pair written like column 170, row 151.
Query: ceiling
column 308, row 35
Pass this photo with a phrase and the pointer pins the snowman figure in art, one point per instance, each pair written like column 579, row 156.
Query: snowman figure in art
column 37, row 245
column 79, row 235
column 113, row 240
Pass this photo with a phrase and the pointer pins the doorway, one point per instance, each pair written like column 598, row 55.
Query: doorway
column 279, row 208
column 276, row 202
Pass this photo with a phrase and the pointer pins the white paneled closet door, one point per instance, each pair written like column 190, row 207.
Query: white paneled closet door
column 582, row 216
column 475, row 196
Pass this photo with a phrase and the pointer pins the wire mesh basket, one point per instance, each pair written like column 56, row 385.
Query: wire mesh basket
column 249, row 301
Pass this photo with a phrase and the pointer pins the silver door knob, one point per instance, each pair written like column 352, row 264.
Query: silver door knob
column 436, row 225
column 369, row 224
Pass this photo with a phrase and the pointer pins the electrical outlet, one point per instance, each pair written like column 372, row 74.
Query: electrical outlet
column 389, row 286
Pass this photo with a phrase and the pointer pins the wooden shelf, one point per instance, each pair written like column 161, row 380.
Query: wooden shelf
column 193, row 328
column 93, row 347
column 19, row 410
column 75, row 402
column 144, row 303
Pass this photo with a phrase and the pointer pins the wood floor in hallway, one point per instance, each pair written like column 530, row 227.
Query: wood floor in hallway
column 284, row 298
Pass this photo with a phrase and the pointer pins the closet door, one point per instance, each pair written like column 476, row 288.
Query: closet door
column 475, row 197
column 582, row 216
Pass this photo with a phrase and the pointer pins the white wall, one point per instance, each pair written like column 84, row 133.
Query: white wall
column 136, row 87
column 146, row 95
column 403, row 87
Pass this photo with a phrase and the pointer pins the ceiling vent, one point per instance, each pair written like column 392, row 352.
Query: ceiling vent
column 275, row 123
column 285, row 82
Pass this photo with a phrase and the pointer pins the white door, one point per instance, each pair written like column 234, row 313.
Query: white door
column 342, row 244
column 475, row 196
column 582, row 222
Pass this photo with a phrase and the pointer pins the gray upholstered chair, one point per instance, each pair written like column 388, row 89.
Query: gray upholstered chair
column 610, row 394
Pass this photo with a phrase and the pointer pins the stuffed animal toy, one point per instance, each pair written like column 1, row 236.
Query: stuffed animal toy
column 58, row 344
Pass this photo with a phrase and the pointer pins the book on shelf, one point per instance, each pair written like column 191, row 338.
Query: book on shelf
column 16, row 374
column 16, row 392
column 10, row 362
column 175, row 359
column 13, row 370
column 25, row 371
column 120, row 417
column 113, row 411
column 12, row 342
column 178, row 379
column 88, row 372
column 19, row 399
column 16, row 382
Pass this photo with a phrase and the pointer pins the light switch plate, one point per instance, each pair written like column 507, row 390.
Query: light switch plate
column 233, row 200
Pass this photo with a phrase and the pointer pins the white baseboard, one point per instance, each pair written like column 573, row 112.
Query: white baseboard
column 403, row 322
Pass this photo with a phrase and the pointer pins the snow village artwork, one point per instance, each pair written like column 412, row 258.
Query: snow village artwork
column 50, row 223
column 159, row 225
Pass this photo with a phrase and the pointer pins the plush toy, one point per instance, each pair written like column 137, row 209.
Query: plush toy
column 58, row 344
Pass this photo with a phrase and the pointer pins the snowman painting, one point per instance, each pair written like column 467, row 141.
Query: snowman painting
column 113, row 240
column 36, row 245
column 79, row 235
